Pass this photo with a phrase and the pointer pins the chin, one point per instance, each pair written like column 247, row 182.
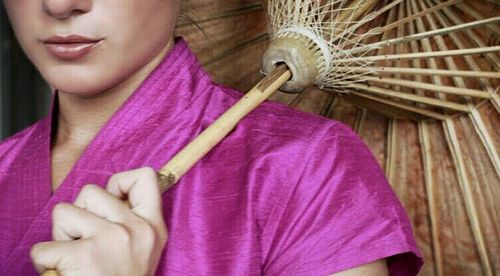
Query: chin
column 79, row 82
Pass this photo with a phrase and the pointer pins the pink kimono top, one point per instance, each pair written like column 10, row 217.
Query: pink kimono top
column 286, row 193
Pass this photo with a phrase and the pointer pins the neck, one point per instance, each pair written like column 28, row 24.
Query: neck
column 81, row 117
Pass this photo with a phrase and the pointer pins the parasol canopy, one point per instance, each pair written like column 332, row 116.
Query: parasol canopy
column 432, row 121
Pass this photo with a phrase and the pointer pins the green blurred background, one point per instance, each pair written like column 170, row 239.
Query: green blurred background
column 24, row 96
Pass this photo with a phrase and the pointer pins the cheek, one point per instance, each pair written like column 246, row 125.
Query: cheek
column 145, row 23
column 18, row 11
column 122, row 54
column 134, row 35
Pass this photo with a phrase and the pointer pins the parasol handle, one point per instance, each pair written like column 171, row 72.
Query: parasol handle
column 212, row 135
column 184, row 160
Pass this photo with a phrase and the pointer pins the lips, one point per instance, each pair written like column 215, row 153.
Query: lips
column 70, row 47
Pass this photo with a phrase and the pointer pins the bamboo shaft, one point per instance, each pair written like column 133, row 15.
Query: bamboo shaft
column 184, row 160
column 432, row 87
column 421, row 71
column 210, row 137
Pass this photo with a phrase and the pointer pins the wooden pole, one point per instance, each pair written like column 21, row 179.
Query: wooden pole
column 210, row 137
column 169, row 174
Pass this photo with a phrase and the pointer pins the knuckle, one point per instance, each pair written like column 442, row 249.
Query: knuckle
column 88, row 191
column 59, row 211
column 36, row 251
column 147, row 172
column 87, row 194
column 115, row 178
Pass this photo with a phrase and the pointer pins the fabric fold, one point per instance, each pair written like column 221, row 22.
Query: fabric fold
column 277, row 195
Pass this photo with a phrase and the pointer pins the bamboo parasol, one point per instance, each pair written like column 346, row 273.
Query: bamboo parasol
column 426, row 105
column 412, row 61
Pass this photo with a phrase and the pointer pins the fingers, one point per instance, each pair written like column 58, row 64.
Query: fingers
column 103, row 204
column 70, row 222
column 102, row 228
column 51, row 255
column 141, row 188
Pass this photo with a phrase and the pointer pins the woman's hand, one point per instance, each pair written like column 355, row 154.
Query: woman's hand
column 117, row 231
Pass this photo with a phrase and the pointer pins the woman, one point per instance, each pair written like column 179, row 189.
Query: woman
column 285, row 193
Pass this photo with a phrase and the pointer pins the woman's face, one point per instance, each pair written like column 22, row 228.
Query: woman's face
column 87, row 46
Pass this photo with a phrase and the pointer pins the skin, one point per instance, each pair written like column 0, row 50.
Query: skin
column 90, row 90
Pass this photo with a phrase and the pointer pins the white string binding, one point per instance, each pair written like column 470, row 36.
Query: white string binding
column 316, row 39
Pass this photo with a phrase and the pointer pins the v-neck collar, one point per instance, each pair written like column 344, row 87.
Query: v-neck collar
column 154, row 99
column 162, row 98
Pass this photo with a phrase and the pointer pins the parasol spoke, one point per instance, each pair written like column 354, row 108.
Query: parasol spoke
column 430, row 54
column 421, row 71
column 423, row 35
column 421, row 111
column 412, row 97
column 431, row 87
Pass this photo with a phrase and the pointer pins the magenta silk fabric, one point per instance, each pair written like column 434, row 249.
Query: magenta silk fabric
column 286, row 193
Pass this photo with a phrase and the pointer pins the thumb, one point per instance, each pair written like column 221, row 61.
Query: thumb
column 141, row 188
column 54, row 255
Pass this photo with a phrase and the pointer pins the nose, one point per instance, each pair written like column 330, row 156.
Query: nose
column 63, row 9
